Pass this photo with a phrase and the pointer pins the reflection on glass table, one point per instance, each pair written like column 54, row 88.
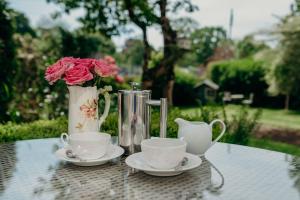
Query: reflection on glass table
column 29, row 170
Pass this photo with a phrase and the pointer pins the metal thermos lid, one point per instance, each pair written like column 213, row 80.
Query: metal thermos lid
column 135, row 89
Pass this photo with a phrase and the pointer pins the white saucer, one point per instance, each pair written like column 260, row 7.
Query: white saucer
column 113, row 152
column 137, row 161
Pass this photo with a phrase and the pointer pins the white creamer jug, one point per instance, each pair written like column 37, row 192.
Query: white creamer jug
column 198, row 135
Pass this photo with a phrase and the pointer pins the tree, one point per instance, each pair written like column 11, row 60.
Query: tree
column 34, row 54
column 7, row 59
column 243, row 76
column 81, row 44
column 287, row 68
column 248, row 46
column 185, row 26
column 21, row 23
column 132, row 54
column 205, row 41
column 108, row 16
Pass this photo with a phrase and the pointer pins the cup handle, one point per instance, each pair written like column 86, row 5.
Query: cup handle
column 64, row 138
column 223, row 129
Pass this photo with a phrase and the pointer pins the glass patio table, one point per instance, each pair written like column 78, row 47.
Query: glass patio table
column 30, row 170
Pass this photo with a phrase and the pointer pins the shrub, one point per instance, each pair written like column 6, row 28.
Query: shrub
column 203, row 114
column 240, row 76
column 33, row 130
column 183, row 92
column 239, row 127
column 47, row 129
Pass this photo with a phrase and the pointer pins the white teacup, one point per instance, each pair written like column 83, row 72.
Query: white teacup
column 163, row 153
column 89, row 145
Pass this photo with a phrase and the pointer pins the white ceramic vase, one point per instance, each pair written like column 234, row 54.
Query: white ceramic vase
column 83, row 108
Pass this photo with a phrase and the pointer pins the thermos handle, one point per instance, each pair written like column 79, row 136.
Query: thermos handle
column 163, row 114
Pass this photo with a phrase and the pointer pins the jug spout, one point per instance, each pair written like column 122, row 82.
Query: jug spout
column 180, row 121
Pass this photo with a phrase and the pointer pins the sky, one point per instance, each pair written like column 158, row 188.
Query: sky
column 249, row 16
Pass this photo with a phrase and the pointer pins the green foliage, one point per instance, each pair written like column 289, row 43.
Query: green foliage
column 53, row 128
column 205, row 41
column 132, row 54
column 7, row 59
column 239, row 76
column 111, row 124
column 82, row 44
column 155, row 59
column 242, row 125
column 102, row 16
column 172, row 127
column 287, row 72
column 35, row 98
column 34, row 130
column 22, row 24
column 185, row 82
column 185, row 26
column 248, row 46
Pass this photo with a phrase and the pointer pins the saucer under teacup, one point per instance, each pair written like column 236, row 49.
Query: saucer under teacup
column 113, row 152
column 138, row 162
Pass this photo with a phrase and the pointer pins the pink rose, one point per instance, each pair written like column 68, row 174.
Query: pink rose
column 68, row 61
column 110, row 60
column 104, row 68
column 77, row 75
column 56, row 71
column 119, row 79
column 88, row 62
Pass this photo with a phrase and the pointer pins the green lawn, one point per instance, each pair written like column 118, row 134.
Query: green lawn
column 273, row 117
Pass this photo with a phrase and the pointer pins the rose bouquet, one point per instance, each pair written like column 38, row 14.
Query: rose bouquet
column 82, row 71
column 82, row 76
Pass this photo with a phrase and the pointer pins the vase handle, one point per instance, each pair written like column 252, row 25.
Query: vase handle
column 104, row 91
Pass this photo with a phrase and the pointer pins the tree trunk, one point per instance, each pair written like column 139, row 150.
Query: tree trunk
column 287, row 102
column 160, row 79
column 147, row 49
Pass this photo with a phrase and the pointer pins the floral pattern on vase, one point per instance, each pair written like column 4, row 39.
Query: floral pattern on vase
column 83, row 109
column 89, row 110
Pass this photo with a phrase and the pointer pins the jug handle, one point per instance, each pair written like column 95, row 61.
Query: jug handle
column 223, row 129
column 104, row 91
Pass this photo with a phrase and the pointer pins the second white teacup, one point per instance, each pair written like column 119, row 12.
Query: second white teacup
column 89, row 145
column 163, row 153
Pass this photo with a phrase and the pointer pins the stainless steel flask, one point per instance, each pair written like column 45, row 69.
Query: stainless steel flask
column 134, row 108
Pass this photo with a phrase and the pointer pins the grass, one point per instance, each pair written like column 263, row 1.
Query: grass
column 274, row 117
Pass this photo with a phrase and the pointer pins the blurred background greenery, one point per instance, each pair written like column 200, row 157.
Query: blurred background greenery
column 250, row 83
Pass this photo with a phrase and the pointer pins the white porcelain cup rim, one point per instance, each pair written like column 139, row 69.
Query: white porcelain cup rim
column 163, row 153
column 164, row 141
column 65, row 138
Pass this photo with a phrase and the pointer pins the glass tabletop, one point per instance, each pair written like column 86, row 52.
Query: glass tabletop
column 30, row 170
